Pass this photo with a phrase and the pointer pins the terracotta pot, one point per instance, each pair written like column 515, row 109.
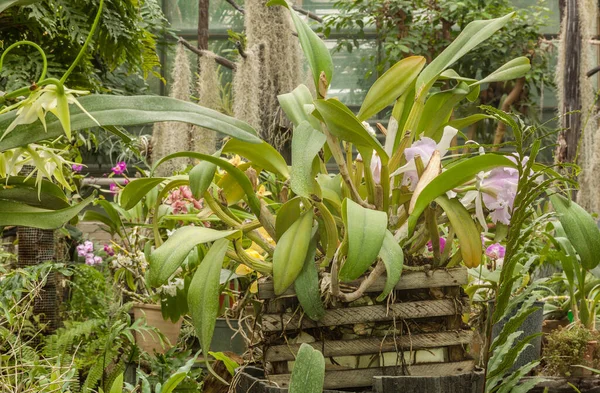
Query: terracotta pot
column 551, row 325
column 149, row 341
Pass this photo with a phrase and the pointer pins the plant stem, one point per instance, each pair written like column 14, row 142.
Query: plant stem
column 85, row 44
column 338, row 156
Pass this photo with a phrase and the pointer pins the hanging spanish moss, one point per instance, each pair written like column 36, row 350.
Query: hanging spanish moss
column 577, row 94
column 269, row 35
column 170, row 137
column 247, row 83
column 203, row 140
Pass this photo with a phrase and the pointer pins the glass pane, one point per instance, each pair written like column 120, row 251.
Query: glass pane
column 183, row 15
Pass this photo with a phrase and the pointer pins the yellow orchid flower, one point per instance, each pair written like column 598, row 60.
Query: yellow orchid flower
column 243, row 270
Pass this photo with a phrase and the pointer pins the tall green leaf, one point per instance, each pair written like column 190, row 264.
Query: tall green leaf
column 393, row 257
column 515, row 68
column 581, row 229
column 294, row 105
column 201, row 177
column 469, row 237
column 136, row 189
column 47, row 196
column 454, row 177
column 342, row 123
column 263, row 155
column 308, row 375
column 306, row 144
column 307, row 287
column 315, row 51
column 109, row 110
column 365, row 231
column 19, row 214
column 391, row 85
column 204, row 291
column 474, row 33
column 165, row 260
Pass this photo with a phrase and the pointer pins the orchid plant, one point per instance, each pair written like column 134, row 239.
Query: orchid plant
column 376, row 215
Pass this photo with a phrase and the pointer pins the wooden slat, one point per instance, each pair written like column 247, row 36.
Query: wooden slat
column 371, row 345
column 409, row 280
column 352, row 315
column 354, row 378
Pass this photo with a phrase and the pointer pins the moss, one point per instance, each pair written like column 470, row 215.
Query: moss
column 567, row 347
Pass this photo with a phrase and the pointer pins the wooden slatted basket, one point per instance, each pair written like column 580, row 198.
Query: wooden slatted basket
column 420, row 333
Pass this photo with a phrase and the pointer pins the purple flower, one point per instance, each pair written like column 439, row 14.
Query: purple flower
column 442, row 245
column 120, row 168
column 423, row 148
column 97, row 260
column 114, row 188
column 495, row 251
column 109, row 250
column 89, row 259
column 85, row 248
column 76, row 167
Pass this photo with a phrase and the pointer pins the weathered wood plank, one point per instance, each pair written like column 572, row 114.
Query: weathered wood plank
column 470, row 382
column 409, row 280
column 456, row 353
column 335, row 379
column 372, row 345
column 353, row 315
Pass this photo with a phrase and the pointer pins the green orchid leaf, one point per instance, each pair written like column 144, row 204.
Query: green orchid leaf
column 454, row 177
column 467, row 233
column 113, row 214
column 315, row 51
column 201, row 177
column 263, row 155
column 306, row 144
column 307, row 287
column 109, row 110
column 365, row 231
column 294, row 105
column 287, row 214
column 204, row 291
column 581, row 230
column 308, row 375
column 239, row 176
column 136, row 189
column 18, row 214
column 473, row 34
column 18, row 189
column 291, row 251
column 464, row 122
column 330, row 240
column 342, row 123
column 165, row 260
column 391, row 85
column 438, row 110
column 514, row 69
column 94, row 216
column 393, row 257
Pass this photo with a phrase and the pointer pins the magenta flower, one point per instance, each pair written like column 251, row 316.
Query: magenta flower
column 114, row 188
column 120, row 168
column 495, row 251
column 442, row 245
column 109, row 250
column 76, row 167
